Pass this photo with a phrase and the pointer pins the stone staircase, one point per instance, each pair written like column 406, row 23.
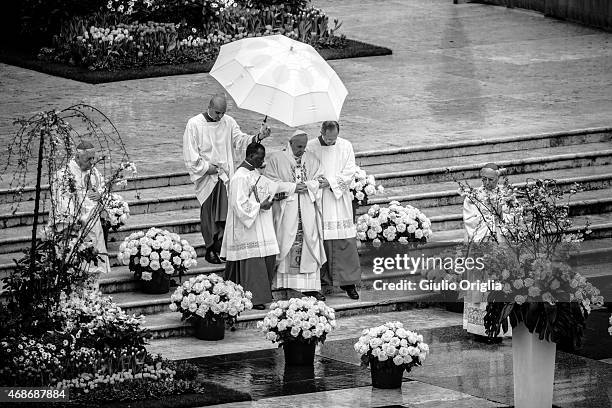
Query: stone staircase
column 422, row 176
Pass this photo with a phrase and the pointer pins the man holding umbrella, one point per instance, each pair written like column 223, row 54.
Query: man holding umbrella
column 212, row 143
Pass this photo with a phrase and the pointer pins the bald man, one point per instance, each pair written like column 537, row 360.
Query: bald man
column 212, row 145
column 297, row 218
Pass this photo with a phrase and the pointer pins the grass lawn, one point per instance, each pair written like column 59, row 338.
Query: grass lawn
column 353, row 49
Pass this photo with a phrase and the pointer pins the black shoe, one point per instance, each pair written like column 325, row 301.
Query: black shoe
column 259, row 307
column 316, row 295
column 212, row 257
column 351, row 291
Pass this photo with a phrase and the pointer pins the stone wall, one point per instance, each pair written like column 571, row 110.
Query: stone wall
column 594, row 13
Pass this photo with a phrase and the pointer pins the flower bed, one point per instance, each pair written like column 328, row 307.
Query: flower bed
column 183, row 34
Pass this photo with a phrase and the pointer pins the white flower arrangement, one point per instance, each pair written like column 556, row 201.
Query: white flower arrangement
column 392, row 343
column 211, row 297
column 363, row 186
column 305, row 320
column 403, row 224
column 117, row 211
column 156, row 251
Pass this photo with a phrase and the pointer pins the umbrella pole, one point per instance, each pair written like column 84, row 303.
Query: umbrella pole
column 263, row 124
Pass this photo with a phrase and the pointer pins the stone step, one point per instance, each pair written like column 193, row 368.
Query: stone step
column 601, row 226
column 145, row 201
column 187, row 221
column 169, row 324
column 509, row 158
column 486, row 146
column 516, row 166
column 446, row 193
column 464, row 149
column 181, row 198
column 120, row 279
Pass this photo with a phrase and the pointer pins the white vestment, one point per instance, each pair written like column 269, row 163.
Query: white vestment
column 338, row 167
column 206, row 143
column 67, row 205
column 249, row 231
column 299, row 261
column 480, row 224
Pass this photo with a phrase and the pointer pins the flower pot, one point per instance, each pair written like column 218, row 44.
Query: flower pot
column 385, row 374
column 209, row 329
column 298, row 353
column 160, row 283
column 534, row 369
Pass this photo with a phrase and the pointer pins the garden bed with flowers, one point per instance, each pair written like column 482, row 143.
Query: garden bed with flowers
column 56, row 328
column 130, row 39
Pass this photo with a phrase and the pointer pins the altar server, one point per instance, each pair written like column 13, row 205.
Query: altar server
column 338, row 166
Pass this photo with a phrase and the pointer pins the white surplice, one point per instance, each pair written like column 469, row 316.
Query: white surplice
column 295, row 210
column 338, row 167
column 206, row 143
column 67, row 205
column 249, row 231
column 479, row 225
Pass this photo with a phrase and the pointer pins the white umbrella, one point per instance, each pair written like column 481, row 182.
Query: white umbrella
column 281, row 78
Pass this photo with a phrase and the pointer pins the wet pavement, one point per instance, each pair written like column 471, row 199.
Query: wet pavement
column 457, row 72
column 458, row 373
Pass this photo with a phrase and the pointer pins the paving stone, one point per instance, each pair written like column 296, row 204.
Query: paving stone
column 458, row 72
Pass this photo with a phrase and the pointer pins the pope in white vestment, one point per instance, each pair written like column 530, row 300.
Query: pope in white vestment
column 338, row 166
column 76, row 191
column 297, row 219
column 481, row 225
column 250, row 244
column 213, row 145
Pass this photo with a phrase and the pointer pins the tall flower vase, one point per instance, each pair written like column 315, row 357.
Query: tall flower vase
column 298, row 353
column 385, row 374
column 159, row 283
column 211, row 330
column 534, row 369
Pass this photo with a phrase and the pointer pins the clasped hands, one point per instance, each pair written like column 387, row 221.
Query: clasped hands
column 301, row 187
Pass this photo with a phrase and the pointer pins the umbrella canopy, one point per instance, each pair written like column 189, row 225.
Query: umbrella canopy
column 281, row 78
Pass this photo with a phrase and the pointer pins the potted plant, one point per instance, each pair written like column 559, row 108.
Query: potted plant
column 298, row 325
column 154, row 256
column 363, row 186
column 389, row 350
column 210, row 302
column 396, row 223
column 115, row 215
column 545, row 301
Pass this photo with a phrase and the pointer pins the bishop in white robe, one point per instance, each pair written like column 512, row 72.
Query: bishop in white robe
column 250, row 244
column 76, row 192
column 213, row 145
column 481, row 224
column 338, row 166
column 297, row 218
